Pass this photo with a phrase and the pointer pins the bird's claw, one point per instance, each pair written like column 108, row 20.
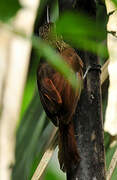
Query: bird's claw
column 93, row 67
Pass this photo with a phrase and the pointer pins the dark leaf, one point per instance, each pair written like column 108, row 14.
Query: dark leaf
column 83, row 32
column 8, row 9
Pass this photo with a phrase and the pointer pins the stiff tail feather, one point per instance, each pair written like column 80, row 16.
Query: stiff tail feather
column 68, row 154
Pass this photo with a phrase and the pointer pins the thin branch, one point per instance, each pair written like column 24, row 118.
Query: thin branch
column 112, row 166
column 104, row 74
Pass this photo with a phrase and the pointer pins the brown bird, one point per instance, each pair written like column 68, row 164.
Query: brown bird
column 58, row 98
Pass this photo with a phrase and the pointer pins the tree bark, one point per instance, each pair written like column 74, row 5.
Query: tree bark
column 89, row 127
column 88, row 118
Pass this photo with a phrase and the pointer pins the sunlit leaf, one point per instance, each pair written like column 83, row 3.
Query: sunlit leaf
column 51, row 175
column 115, row 2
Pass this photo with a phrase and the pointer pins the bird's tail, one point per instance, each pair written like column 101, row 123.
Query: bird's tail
column 68, row 154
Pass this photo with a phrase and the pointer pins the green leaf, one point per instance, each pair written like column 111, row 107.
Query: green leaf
column 107, row 138
column 114, row 175
column 8, row 9
column 27, row 139
column 33, row 134
column 109, row 155
column 30, row 85
column 54, row 14
column 49, row 175
column 83, row 31
column 79, row 24
column 115, row 2
column 42, row 144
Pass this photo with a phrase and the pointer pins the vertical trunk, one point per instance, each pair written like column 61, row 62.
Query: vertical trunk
column 88, row 118
column 89, row 128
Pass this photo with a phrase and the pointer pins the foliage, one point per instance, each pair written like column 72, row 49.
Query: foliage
column 78, row 35
column 115, row 1
column 9, row 9
column 34, row 128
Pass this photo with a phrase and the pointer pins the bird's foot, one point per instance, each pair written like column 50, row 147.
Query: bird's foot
column 93, row 67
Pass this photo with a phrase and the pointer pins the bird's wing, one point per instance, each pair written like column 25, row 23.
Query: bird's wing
column 50, row 98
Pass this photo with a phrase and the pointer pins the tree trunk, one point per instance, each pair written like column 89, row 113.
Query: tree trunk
column 88, row 117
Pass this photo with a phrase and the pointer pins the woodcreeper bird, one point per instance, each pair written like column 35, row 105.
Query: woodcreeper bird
column 58, row 98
